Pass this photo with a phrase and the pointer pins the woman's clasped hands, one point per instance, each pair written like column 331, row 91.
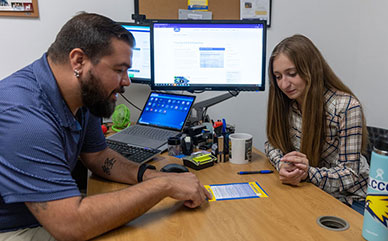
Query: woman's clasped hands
column 294, row 168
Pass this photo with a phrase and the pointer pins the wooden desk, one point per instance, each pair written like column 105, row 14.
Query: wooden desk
column 289, row 213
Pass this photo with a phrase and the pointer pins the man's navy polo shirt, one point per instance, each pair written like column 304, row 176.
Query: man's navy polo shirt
column 40, row 141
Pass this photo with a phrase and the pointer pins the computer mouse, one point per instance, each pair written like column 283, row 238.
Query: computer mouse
column 173, row 167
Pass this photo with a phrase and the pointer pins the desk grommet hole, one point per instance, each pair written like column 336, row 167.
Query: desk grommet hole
column 332, row 223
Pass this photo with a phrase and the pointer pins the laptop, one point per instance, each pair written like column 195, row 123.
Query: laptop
column 164, row 115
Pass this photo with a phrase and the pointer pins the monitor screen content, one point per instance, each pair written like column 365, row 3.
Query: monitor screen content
column 208, row 55
column 141, row 59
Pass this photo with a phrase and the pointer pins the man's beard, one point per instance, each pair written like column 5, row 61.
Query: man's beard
column 94, row 97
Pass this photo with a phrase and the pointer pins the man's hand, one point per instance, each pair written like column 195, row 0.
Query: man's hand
column 294, row 168
column 77, row 218
column 186, row 187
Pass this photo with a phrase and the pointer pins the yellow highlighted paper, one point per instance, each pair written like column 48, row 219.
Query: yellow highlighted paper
column 231, row 191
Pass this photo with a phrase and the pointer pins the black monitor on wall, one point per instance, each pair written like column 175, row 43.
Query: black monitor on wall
column 208, row 55
column 141, row 58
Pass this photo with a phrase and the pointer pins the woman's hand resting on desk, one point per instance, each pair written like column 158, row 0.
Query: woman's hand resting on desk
column 294, row 168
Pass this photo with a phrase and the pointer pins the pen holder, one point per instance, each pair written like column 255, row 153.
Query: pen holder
column 226, row 142
column 221, row 144
column 229, row 130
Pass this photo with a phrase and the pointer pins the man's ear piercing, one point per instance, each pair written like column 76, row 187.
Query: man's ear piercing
column 76, row 73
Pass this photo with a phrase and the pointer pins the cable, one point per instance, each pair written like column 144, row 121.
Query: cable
column 130, row 102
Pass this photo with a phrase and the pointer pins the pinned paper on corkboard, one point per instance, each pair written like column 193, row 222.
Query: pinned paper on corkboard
column 19, row 8
column 256, row 9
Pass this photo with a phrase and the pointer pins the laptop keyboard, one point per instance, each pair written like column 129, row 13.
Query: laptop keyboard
column 151, row 132
column 133, row 153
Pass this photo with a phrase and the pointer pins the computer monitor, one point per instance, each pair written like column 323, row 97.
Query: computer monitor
column 208, row 55
column 141, row 60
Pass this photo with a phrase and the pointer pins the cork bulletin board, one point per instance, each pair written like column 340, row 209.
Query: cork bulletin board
column 168, row 9
column 19, row 8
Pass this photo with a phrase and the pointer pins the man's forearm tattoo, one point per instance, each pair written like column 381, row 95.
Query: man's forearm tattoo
column 108, row 165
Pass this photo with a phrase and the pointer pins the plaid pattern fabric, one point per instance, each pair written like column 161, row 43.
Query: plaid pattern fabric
column 343, row 171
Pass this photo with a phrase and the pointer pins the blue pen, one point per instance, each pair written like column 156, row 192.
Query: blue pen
column 255, row 172
column 223, row 126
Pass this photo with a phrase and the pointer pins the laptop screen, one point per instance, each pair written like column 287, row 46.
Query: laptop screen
column 166, row 110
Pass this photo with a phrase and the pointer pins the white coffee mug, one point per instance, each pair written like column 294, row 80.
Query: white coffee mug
column 240, row 148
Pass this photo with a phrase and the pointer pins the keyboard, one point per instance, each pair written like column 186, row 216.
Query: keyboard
column 150, row 132
column 133, row 153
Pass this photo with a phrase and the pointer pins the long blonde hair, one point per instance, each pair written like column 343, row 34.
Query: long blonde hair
column 311, row 67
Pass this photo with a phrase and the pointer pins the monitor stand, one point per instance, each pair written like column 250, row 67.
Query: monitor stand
column 202, row 106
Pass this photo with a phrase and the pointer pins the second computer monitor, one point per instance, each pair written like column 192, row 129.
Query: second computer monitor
column 208, row 55
column 141, row 58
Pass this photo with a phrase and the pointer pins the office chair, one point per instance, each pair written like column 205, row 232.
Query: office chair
column 375, row 134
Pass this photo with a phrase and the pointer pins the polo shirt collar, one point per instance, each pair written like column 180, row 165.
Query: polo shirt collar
column 50, row 89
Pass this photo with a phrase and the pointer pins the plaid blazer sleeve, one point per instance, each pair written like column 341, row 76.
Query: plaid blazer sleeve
column 343, row 173
column 274, row 155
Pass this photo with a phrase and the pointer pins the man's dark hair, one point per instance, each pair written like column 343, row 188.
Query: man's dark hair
column 90, row 32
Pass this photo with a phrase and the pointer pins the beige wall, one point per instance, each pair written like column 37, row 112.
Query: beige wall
column 351, row 34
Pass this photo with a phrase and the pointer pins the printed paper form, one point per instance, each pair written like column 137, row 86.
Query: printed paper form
column 235, row 191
